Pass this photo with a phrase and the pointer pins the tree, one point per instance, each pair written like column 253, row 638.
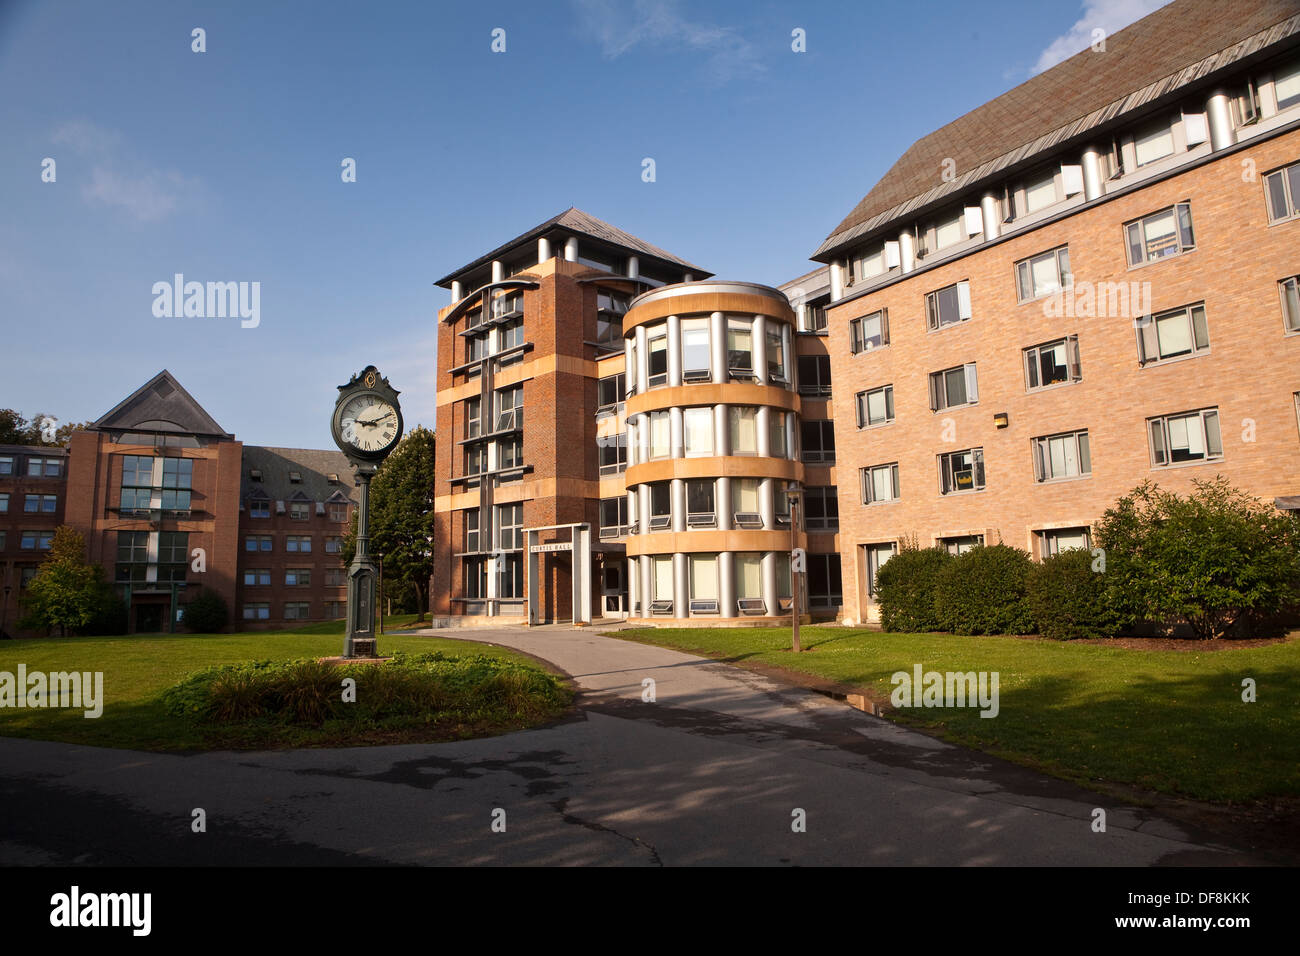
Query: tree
column 1210, row 560
column 401, row 516
column 206, row 613
column 17, row 430
column 67, row 593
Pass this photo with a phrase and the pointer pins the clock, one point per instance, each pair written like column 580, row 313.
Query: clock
column 367, row 422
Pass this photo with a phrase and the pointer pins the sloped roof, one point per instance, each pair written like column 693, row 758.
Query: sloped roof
column 160, row 405
column 315, row 466
column 577, row 221
column 1159, row 45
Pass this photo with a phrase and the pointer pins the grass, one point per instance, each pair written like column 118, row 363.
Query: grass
column 1168, row 721
column 139, row 668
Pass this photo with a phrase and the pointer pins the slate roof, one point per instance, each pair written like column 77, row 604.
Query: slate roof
column 315, row 466
column 584, row 224
column 162, row 399
column 1087, row 90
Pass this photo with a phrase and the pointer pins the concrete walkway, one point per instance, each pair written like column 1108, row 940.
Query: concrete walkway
column 714, row 771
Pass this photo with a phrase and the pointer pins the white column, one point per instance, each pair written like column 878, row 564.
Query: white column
column 837, row 280
column 643, row 492
column 681, row 587
column 722, row 503
column 764, row 445
column 765, row 506
column 633, row 267
column 1220, row 119
column 647, row 586
column 676, row 436
column 760, row 348
column 633, row 511
column 633, row 451
column 790, row 424
column 571, row 249
column 498, row 270
column 726, row 584
column 642, row 362
column 457, row 291
column 906, row 250
column 721, row 431
column 543, row 249
column 688, row 277
column 674, row 350
column 769, row 583
column 1094, row 184
column 678, row 489
column 787, row 351
column 989, row 213
column 643, row 430
column 629, row 370
column 633, row 588
column 718, row 347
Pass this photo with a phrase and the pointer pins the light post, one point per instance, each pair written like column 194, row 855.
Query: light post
column 794, row 493
column 4, row 608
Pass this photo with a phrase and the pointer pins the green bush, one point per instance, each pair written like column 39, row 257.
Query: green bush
column 206, row 613
column 905, row 587
column 983, row 592
column 1211, row 560
column 1068, row 599
column 109, row 616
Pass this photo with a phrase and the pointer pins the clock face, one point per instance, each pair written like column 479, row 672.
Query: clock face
column 368, row 423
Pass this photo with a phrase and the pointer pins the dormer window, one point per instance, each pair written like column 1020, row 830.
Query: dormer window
column 295, row 477
column 255, row 474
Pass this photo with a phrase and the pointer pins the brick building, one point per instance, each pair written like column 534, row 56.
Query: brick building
column 167, row 500
column 1087, row 282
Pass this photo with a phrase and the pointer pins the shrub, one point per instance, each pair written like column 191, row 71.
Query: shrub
column 905, row 588
column 109, row 616
column 1068, row 599
column 1209, row 560
column 983, row 592
column 206, row 613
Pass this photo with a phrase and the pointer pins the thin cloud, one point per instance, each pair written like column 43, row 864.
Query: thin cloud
column 618, row 26
column 147, row 195
column 1107, row 15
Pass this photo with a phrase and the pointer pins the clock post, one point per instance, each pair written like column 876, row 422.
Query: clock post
column 367, row 425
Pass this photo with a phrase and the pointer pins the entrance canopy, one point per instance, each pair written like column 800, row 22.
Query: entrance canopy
column 579, row 544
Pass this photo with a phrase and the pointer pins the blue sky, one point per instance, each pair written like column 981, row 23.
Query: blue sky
column 225, row 165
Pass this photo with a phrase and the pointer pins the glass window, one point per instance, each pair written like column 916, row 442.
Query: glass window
column 609, row 391
column 613, row 516
column 660, row 434
column 297, row 577
column 744, row 492
column 663, row 577
column 697, row 427
column 821, row 509
column 510, row 524
column 1162, row 234
column 814, row 374
column 740, row 346
column 953, row 387
column 1283, row 190
column 961, row 471
column 1286, row 85
column 695, row 347
column 961, row 544
column 948, row 306
column 869, row 331
column 299, row 510
column 1056, row 540
column 876, row 406
column 300, row 544
column 870, row 264
column 510, row 408
column 1062, row 456
column 4, row 502
column 880, row 483
column 1186, row 437
column 775, row 354
column 1052, row 363
column 333, row 545
column 818, row 440
column 257, row 612
column 6, row 465
column 699, row 496
column 704, row 577
column 1171, row 334
column 657, row 343
column 1044, row 274
column 259, row 508
column 876, row 555
column 257, row 577
column 1290, row 290
column 744, row 429
column 1040, row 192
column 776, row 444
column 1155, row 143
column 949, row 231
column 472, row 539
column 749, row 576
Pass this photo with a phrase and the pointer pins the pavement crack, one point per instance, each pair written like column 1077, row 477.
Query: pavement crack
column 561, row 807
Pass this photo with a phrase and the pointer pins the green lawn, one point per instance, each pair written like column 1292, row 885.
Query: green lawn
column 138, row 668
column 1171, row 721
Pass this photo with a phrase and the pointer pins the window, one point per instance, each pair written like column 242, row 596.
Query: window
column 824, row 583
column 609, row 391
column 299, row 510
column 1052, row 363
column 335, row 610
column 259, row 507
column 657, row 343
column 744, row 429
column 782, row 561
column 744, row 502
column 297, row 577
column 661, row 506
column 1044, row 274
column 41, row 504
column 257, row 612
column 1062, row 456
column 133, row 547
column 869, row 332
column 961, row 471
column 700, row 509
column 177, row 480
column 473, row 417
column 25, row 574
column 6, row 465
column 510, row 576
column 36, row 540
column 697, row 429
column 1286, row 86
column 476, row 349
column 948, row 306
column 818, row 440
column 610, row 308
column 780, row 503
column 333, row 544
column 776, row 444
column 660, row 434
column 704, row 583
column 613, row 517
column 510, row 452
column 472, row 537
column 695, row 350
column 960, row 545
column 335, row 577
column 510, row 525
column 1155, row 143
column 298, row 543
column 1186, row 437
column 174, row 549
column 4, row 503
column 257, row 542
column 954, row 387
column 775, row 355
column 510, row 408
column 137, row 483
column 1040, row 192
column 870, row 264
column 1171, row 334
column 475, row 460
column 876, row 555
column 1283, row 189
column 821, row 509
column 1290, row 290
column 338, row 511
column 876, row 406
column 1056, row 540
column 749, row 576
column 740, row 347
column 663, row 579
column 949, row 230
column 475, row 579
column 879, row 483
column 1160, row 235
column 4, row 539
column 507, row 303
column 297, row 610
column 43, row 467
column 814, row 374
column 817, row 318
column 512, row 336
column 611, row 452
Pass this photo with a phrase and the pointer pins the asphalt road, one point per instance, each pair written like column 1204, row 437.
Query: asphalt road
column 711, row 772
